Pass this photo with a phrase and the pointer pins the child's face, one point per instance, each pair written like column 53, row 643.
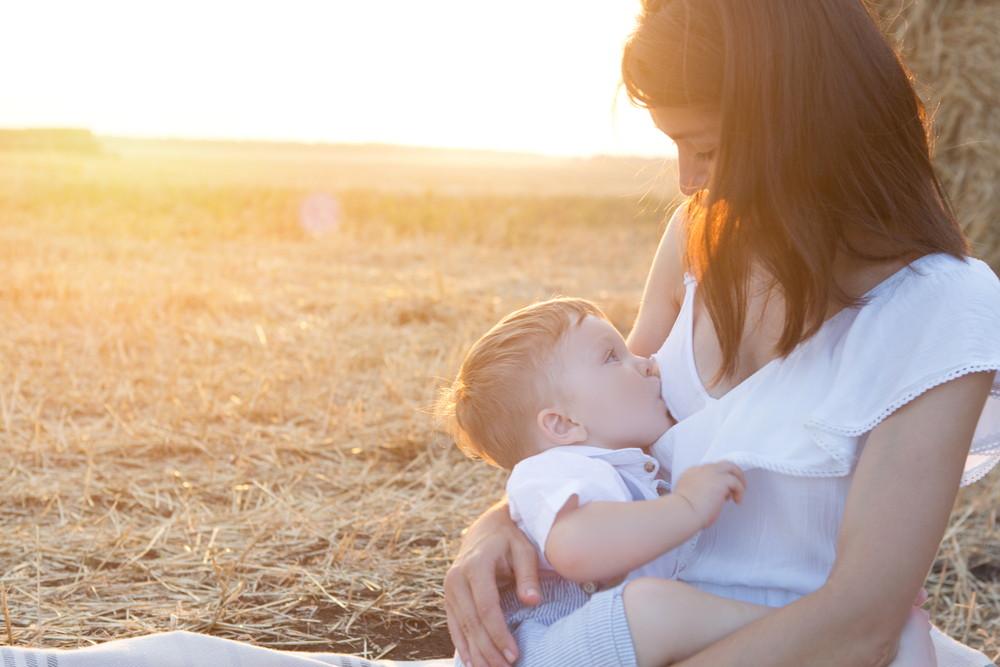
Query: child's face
column 609, row 390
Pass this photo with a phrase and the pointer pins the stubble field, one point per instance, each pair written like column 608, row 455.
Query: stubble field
column 214, row 421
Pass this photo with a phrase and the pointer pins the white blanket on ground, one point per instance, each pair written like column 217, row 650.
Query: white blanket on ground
column 187, row 649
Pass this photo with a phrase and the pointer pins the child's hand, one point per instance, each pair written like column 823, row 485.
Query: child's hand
column 707, row 487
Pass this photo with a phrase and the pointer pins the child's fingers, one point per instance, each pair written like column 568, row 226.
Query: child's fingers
column 736, row 486
column 732, row 476
column 731, row 468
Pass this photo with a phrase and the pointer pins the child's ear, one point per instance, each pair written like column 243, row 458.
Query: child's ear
column 559, row 429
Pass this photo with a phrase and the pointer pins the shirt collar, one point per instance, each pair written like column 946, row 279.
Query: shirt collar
column 612, row 456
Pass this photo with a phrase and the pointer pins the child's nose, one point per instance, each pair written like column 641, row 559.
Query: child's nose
column 650, row 367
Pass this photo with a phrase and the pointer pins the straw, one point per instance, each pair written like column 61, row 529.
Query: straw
column 223, row 428
column 952, row 49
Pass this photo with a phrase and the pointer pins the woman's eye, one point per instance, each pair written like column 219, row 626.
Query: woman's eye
column 706, row 156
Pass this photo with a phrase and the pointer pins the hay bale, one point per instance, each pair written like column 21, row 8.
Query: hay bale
column 952, row 48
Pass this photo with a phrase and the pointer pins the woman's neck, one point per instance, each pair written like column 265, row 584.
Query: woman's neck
column 857, row 276
column 766, row 318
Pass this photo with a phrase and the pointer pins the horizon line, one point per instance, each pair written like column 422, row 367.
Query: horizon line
column 329, row 143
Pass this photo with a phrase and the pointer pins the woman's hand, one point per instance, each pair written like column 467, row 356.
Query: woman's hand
column 494, row 552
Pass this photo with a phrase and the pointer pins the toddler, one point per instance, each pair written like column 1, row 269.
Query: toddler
column 552, row 394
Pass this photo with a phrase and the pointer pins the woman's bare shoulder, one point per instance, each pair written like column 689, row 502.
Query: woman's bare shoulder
column 676, row 236
column 664, row 291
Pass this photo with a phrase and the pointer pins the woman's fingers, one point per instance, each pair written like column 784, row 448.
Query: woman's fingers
column 494, row 549
column 457, row 637
column 471, row 639
column 475, row 619
column 524, row 559
column 488, row 628
column 457, row 598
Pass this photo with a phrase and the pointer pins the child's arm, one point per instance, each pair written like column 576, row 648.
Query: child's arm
column 603, row 540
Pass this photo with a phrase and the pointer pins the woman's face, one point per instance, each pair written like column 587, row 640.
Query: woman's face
column 695, row 131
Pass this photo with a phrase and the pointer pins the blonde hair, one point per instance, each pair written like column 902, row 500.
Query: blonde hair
column 491, row 406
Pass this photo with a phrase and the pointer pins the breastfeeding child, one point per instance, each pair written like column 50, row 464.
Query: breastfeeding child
column 552, row 394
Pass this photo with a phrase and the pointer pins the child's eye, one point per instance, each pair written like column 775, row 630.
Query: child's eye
column 612, row 356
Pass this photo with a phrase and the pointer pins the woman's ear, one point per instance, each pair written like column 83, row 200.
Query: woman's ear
column 558, row 429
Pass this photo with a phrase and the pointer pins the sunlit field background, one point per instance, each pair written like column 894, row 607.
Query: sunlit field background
column 216, row 421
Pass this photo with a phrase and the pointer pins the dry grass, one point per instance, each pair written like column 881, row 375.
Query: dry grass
column 212, row 429
column 222, row 426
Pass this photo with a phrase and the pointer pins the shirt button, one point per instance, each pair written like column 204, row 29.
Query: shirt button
column 650, row 466
column 589, row 588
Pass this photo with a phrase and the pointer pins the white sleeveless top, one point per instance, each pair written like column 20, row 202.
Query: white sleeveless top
column 683, row 390
column 798, row 425
column 714, row 567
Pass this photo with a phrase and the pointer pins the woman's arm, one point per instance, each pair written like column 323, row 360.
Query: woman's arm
column 896, row 513
column 663, row 294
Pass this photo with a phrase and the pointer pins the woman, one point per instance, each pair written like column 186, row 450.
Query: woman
column 851, row 386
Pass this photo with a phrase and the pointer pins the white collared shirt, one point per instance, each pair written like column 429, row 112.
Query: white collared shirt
column 540, row 485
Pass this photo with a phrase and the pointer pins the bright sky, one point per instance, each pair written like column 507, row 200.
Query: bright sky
column 526, row 75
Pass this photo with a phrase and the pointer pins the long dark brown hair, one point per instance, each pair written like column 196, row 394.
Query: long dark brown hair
column 824, row 150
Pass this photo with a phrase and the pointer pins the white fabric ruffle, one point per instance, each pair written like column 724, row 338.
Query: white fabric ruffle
column 806, row 415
